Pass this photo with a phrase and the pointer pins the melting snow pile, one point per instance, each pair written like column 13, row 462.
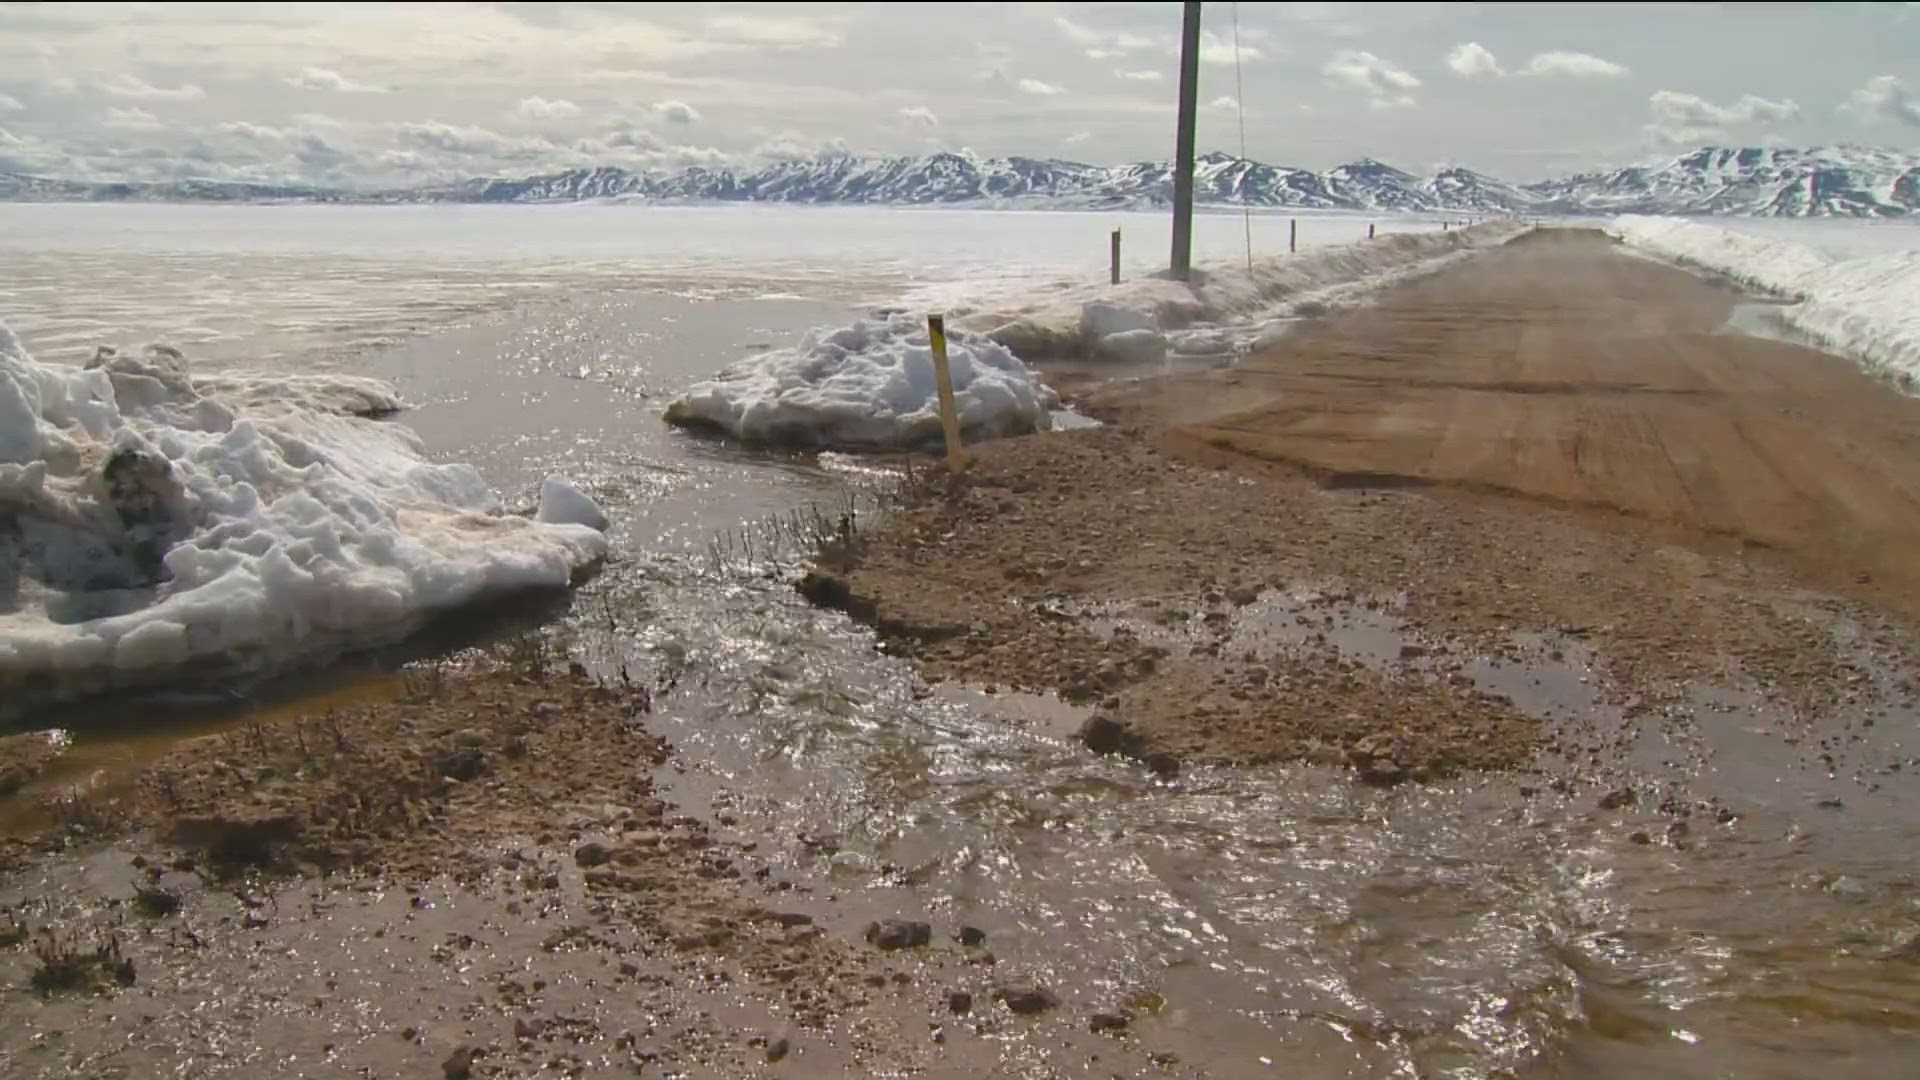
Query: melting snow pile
column 1866, row 308
column 869, row 385
column 155, row 525
column 1226, row 308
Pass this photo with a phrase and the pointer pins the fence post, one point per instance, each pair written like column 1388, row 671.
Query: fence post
column 943, row 380
column 1369, row 230
column 1115, row 261
column 1293, row 234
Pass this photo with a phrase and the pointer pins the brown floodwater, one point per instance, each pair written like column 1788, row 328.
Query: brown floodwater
column 1751, row 910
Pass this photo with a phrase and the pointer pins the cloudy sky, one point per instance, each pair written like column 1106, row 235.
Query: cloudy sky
column 395, row 93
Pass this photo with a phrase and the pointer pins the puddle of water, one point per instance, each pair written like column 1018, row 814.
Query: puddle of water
column 1486, row 926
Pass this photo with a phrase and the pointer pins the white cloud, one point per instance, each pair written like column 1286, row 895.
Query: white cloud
column 132, row 118
column 919, row 115
column 774, row 31
column 1682, row 119
column 464, row 139
column 676, row 112
column 1215, row 49
column 1384, row 82
column 1471, row 60
column 1578, row 65
column 246, row 129
column 8, row 138
column 1107, row 43
column 9, row 103
column 539, row 108
column 1077, row 137
column 1042, row 89
column 138, row 89
column 1140, row 76
column 1888, row 98
column 1224, row 101
column 327, row 79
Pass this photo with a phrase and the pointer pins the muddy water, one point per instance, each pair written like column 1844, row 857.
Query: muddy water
column 1752, row 911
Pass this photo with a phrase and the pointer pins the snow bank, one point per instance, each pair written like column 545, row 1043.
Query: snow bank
column 1866, row 308
column 155, row 525
column 870, row 384
column 1226, row 308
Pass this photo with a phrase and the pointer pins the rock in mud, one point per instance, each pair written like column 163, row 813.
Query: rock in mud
column 777, row 1050
column 1103, row 1022
column 1162, row 765
column 971, row 937
column 1026, row 1000
column 830, row 590
column 459, row 1064
column 1105, row 735
column 898, row 934
column 960, row 1002
column 462, row 763
column 1617, row 798
column 592, row 854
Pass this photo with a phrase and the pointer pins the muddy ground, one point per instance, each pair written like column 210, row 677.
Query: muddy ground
column 1447, row 567
column 475, row 879
column 1555, row 447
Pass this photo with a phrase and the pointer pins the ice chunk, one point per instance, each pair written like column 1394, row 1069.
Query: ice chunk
column 1132, row 347
column 561, row 503
column 154, row 524
column 867, row 385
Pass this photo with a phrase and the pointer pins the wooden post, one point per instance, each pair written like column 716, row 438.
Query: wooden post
column 1115, row 261
column 1293, row 234
column 1180, row 264
column 943, row 379
column 1369, row 230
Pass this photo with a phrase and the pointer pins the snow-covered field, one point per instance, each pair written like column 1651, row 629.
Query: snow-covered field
column 153, row 525
column 1852, row 291
column 260, row 284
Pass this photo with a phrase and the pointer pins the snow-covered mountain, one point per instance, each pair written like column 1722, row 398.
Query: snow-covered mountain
column 1834, row 181
column 1830, row 181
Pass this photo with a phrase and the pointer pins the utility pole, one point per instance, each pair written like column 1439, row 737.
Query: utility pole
column 1182, row 260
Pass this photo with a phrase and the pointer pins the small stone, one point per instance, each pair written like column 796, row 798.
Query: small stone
column 1639, row 836
column 1617, row 798
column 792, row 918
column 971, row 937
column 528, row 1029
column 1105, row 735
column 463, row 763
column 459, row 1064
column 777, row 1050
column 1102, row 1022
column 898, row 934
column 1412, row 652
column 960, row 1002
column 409, row 1034
column 1027, row 1000
column 628, row 969
column 1162, row 764
column 592, row 854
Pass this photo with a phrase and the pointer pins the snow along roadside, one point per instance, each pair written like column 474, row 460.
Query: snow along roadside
column 871, row 384
column 1865, row 308
column 1226, row 309
column 157, row 526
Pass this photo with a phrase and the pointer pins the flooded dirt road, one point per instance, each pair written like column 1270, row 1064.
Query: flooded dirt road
column 1651, row 809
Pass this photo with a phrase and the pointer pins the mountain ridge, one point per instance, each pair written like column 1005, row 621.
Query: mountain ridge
column 1834, row 181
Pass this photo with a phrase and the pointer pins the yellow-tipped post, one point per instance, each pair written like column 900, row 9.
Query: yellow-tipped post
column 943, row 379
